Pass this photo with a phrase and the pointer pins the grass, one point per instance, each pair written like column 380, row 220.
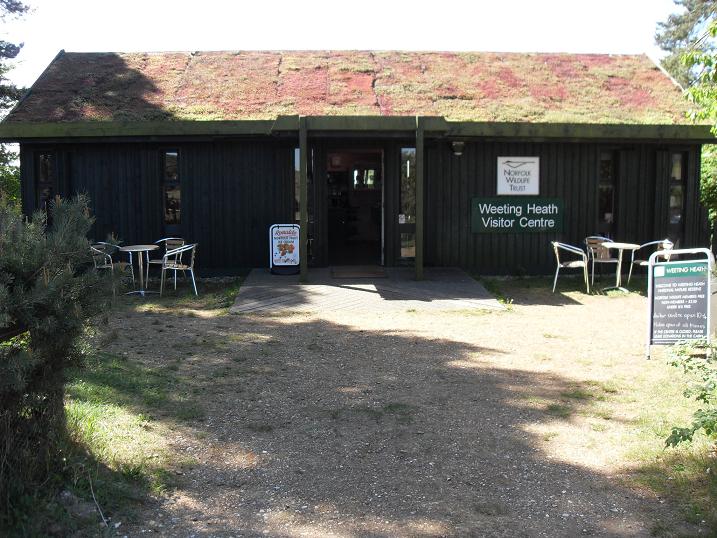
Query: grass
column 118, row 411
column 493, row 286
column 214, row 299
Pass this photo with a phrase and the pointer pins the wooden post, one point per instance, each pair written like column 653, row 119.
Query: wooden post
column 303, row 202
column 419, row 198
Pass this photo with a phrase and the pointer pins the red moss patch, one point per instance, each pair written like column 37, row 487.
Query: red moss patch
column 627, row 94
column 264, row 84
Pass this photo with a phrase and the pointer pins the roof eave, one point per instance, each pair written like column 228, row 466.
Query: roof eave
column 436, row 126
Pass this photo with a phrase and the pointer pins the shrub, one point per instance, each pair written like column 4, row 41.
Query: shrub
column 49, row 288
column 700, row 365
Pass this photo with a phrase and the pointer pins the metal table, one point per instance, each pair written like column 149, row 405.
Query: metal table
column 142, row 249
column 620, row 247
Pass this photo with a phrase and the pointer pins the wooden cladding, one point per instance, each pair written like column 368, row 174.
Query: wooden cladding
column 570, row 171
column 233, row 190
column 231, row 193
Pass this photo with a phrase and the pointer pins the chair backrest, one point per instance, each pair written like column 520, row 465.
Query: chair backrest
column 594, row 248
column 100, row 257
column 175, row 255
column 558, row 246
column 109, row 248
column 662, row 244
column 172, row 243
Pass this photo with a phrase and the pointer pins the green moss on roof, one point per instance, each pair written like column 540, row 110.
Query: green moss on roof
column 260, row 85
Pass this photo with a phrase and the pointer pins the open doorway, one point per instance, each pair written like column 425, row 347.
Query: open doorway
column 355, row 191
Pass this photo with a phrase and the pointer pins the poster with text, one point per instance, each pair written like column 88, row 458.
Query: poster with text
column 284, row 245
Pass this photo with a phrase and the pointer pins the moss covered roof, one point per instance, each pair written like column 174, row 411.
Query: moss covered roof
column 260, row 85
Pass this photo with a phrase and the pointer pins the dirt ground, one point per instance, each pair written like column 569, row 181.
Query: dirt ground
column 412, row 424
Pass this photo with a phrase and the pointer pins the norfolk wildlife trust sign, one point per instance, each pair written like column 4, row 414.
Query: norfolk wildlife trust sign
column 516, row 215
column 518, row 176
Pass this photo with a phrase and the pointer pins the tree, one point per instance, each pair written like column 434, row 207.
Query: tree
column 9, row 95
column 49, row 292
column 681, row 33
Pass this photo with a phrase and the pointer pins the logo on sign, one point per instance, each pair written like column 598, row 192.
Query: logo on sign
column 518, row 176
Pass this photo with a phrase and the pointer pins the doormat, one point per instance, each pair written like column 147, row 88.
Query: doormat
column 358, row 272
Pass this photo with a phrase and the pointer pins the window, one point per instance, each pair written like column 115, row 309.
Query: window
column 677, row 182
column 407, row 203
column 606, row 194
column 676, row 198
column 172, row 189
column 44, row 179
column 365, row 179
column 297, row 184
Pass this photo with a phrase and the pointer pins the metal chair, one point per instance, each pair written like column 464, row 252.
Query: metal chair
column 570, row 264
column 170, row 243
column 663, row 244
column 111, row 248
column 598, row 253
column 100, row 257
column 172, row 261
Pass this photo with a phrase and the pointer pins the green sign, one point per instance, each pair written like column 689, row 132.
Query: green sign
column 516, row 215
column 699, row 269
column 680, row 302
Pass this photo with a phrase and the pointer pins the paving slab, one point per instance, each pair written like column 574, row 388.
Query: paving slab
column 443, row 289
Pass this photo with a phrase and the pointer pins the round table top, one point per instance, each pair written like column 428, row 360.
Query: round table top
column 621, row 246
column 138, row 248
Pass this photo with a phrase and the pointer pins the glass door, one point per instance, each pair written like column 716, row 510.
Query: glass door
column 407, row 205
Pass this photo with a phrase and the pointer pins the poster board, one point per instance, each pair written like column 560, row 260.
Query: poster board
column 679, row 297
column 518, row 176
column 284, row 249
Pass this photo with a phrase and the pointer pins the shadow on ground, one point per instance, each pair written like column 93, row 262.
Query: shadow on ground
column 312, row 428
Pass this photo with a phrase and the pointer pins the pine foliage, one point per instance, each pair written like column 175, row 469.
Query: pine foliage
column 48, row 286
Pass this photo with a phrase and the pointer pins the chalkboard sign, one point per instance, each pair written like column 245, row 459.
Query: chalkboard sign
column 679, row 299
column 679, row 302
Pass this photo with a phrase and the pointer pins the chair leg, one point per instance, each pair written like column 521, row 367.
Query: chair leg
column 131, row 265
column 592, row 281
column 194, row 283
column 161, row 284
column 175, row 280
column 555, row 280
column 587, row 280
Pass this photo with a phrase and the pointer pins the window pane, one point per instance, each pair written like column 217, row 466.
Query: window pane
column 677, row 167
column 45, row 180
column 606, row 204
column 408, row 245
column 607, row 174
column 365, row 179
column 676, row 204
column 297, row 183
column 172, row 204
column 170, row 166
column 407, row 197
column 172, row 188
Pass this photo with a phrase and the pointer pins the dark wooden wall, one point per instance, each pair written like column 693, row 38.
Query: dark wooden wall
column 232, row 191
column 567, row 170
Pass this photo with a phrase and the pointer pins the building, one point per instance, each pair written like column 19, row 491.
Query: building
column 475, row 160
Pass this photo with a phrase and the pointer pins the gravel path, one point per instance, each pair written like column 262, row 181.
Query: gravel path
column 406, row 424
